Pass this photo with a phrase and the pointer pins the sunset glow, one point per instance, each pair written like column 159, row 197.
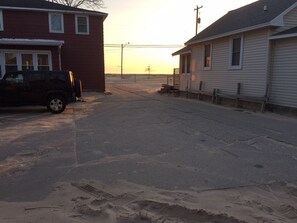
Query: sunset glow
column 154, row 22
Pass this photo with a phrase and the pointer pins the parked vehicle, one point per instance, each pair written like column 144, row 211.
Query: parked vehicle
column 53, row 89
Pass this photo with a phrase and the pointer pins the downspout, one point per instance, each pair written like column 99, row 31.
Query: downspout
column 269, row 68
column 60, row 59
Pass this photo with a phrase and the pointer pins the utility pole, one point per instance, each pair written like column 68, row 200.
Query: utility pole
column 122, row 57
column 198, row 19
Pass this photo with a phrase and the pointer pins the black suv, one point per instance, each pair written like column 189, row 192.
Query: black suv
column 54, row 89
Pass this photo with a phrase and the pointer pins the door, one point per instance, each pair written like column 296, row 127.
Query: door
column 34, row 87
column 10, row 89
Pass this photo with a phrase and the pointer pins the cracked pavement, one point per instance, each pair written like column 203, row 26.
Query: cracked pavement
column 145, row 138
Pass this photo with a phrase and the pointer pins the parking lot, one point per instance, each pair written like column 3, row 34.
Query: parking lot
column 141, row 153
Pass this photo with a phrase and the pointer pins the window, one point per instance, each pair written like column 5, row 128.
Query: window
column 27, row 62
column 58, row 77
column 11, row 62
column 14, row 60
column 82, row 24
column 186, row 63
column 183, row 64
column 15, row 78
column 43, row 62
column 236, row 52
column 56, row 23
column 36, row 77
column 1, row 21
column 207, row 56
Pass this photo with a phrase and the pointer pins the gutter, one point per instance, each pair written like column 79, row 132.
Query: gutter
column 231, row 33
column 57, row 10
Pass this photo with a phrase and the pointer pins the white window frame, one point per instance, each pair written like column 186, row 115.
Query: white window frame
column 19, row 58
column 236, row 67
column 76, row 25
column 1, row 21
column 203, row 56
column 50, row 22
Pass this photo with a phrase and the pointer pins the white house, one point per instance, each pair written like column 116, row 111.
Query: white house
column 254, row 47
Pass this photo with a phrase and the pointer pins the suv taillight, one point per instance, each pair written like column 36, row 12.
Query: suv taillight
column 71, row 78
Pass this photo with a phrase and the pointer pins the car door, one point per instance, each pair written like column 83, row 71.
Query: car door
column 10, row 88
column 34, row 88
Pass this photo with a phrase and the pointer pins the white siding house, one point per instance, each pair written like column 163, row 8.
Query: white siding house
column 255, row 46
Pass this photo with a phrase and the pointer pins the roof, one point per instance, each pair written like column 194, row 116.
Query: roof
column 246, row 18
column 285, row 34
column 42, row 5
column 31, row 42
column 185, row 50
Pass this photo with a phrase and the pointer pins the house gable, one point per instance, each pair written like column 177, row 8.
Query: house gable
column 257, row 15
column 66, row 50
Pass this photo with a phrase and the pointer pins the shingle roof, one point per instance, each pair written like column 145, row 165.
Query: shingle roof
column 287, row 32
column 43, row 5
column 251, row 15
column 184, row 50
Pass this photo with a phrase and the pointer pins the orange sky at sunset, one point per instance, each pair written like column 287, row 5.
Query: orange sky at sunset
column 155, row 22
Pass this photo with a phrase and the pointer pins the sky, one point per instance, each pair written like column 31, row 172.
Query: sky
column 139, row 24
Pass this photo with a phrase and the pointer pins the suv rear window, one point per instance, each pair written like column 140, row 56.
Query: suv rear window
column 33, row 77
column 58, row 77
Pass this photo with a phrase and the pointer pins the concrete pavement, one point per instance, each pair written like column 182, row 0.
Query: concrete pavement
column 142, row 137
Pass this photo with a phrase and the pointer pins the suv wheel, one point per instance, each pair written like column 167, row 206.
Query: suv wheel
column 56, row 104
column 77, row 88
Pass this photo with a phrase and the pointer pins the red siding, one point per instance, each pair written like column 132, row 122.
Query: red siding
column 83, row 54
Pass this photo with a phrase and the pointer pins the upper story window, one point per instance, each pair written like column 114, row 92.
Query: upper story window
column 207, row 51
column 56, row 23
column 1, row 21
column 82, row 24
column 236, row 52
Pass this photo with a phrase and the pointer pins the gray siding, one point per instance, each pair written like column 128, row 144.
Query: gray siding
column 290, row 20
column 252, row 76
column 284, row 73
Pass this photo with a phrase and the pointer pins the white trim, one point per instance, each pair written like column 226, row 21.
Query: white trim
column 283, row 36
column 31, row 42
column 57, row 11
column 1, row 21
column 1, row 64
column 203, row 56
column 235, row 32
column 19, row 58
column 50, row 23
column 279, row 20
column 76, row 25
column 237, row 67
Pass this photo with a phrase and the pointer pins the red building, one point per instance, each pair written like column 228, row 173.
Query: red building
column 41, row 35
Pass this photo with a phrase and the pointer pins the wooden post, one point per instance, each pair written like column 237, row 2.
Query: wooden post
column 217, row 96
column 214, row 92
column 238, row 93
column 200, row 89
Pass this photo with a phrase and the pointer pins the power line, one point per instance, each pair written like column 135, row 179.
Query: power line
column 157, row 46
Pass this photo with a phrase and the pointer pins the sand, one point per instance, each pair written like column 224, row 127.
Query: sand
column 124, row 202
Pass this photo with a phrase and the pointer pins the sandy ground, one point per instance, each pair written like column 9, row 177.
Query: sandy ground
column 123, row 202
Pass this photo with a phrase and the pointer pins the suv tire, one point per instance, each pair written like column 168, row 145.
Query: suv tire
column 77, row 88
column 56, row 104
